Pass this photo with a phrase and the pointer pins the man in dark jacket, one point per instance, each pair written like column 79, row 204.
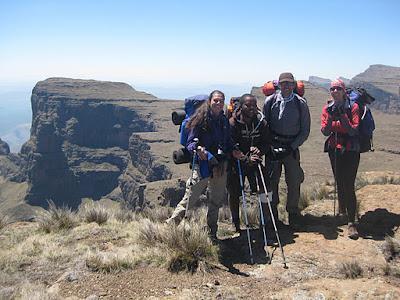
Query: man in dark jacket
column 288, row 118
column 250, row 134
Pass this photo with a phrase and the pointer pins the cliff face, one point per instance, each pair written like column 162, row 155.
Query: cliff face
column 85, row 143
column 383, row 82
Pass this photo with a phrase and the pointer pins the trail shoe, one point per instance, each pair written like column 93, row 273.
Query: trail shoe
column 352, row 231
column 295, row 220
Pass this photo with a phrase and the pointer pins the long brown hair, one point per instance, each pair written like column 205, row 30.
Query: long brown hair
column 199, row 118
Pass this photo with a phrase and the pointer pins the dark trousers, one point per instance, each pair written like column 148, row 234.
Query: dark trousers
column 344, row 167
column 234, row 188
column 294, row 176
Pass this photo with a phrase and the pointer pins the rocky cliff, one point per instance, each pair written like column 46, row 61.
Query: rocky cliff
column 383, row 82
column 85, row 142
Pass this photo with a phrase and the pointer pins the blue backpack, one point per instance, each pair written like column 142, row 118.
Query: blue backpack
column 367, row 123
column 191, row 104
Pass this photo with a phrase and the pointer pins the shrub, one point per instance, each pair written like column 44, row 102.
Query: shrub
column 157, row 214
column 253, row 215
column 3, row 221
column 108, row 262
column 351, row 270
column 304, row 200
column 95, row 213
column 391, row 248
column 57, row 218
column 124, row 216
column 187, row 246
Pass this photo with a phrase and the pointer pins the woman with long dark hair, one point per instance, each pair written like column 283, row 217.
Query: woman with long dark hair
column 340, row 121
column 209, row 139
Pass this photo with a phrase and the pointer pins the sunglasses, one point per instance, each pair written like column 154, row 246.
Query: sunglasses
column 337, row 88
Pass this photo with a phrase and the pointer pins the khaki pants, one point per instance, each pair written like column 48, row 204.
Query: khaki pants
column 196, row 186
column 294, row 176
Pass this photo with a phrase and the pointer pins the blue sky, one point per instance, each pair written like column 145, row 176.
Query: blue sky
column 194, row 43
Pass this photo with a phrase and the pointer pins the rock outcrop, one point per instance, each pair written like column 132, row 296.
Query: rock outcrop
column 4, row 148
column 383, row 82
column 85, row 144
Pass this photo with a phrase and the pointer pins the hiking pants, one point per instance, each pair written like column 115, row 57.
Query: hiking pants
column 235, row 190
column 344, row 167
column 195, row 187
column 294, row 176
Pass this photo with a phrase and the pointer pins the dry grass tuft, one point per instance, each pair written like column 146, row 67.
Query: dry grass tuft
column 391, row 248
column 35, row 291
column 253, row 216
column 3, row 221
column 57, row 219
column 157, row 214
column 187, row 246
column 105, row 262
column 95, row 212
column 124, row 216
column 351, row 270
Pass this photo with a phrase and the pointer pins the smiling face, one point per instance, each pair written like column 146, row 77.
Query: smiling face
column 217, row 103
column 249, row 108
column 287, row 88
column 337, row 93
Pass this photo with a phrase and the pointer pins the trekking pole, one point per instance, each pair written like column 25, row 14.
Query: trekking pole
column 196, row 141
column 334, row 177
column 244, row 204
column 263, row 220
column 272, row 216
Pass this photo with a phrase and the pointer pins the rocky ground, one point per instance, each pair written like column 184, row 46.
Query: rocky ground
column 321, row 260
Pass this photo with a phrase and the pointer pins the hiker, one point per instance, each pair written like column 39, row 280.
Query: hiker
column 250, row 137
column 209, row 138
column 288, row 118
column 340, row 121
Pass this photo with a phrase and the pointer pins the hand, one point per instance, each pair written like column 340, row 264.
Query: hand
column 201, row 152
column 254, row 158
column 255, row 151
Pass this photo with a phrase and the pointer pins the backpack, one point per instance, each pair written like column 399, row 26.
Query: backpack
column 270, row 87
column 181, row 118
column 367, row 123
column 191, row 104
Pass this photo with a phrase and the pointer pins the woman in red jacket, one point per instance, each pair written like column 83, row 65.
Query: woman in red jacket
column 339, row 121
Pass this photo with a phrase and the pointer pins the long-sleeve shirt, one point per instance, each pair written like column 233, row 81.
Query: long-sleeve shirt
column 215, row 136
column 289, row 119
column 343, row 130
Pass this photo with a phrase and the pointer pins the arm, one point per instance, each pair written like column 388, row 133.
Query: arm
column 326, row 122
column 305, row 125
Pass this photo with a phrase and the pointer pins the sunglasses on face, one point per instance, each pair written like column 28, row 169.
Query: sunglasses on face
column 337, row 88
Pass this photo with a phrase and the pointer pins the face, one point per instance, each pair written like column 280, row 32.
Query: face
column 217, row 103
column 249, row 108
column 337, row 93
column 287, row 88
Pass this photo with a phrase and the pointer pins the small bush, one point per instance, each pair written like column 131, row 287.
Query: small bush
column 95, row 213
column 351, row 270
column 224, row 214
column 108, row 262
column 3, row 221
column 187, row 245
column 391, row 248
column 304, row 200
column 253, row 216
column 157, row 214
column 124, row 216
column 57, row 218
column 361, row 182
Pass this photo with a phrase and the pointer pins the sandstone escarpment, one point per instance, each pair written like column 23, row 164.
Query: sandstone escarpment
column 85, row 143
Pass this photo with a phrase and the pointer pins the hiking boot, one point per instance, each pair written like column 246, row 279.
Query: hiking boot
column 352, row 231
column 295, row 220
